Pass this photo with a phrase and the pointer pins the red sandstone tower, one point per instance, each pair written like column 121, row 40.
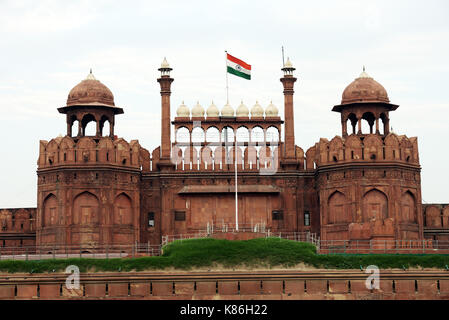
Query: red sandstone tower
column 288, row 81
column 165, row 81
column 88, row 185
column 368, row 181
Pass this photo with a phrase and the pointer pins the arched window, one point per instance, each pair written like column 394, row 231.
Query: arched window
column 272, row 134
column 212, row 134
column 353, row 119
column 242, row 134
column 368, row 124
column 182, row 135
column 257, row 134
column 75, row 126
column 89, row 126
column 105, row 126
column 197, row 135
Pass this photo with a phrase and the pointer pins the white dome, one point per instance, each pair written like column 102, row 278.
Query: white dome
column 227, row 111
column 198, row 110
column 271, row 110
column 212, row 111
column 183, row 111
column 165, row 64
column 257, row 110
column 288, row 64
column 242, row 110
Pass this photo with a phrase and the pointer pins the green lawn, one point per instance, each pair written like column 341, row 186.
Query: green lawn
column 256, row 253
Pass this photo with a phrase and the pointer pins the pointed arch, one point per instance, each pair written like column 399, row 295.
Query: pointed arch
column 375, row 205
column 123, row 212
column 50, row 210
column 87, row 127
column 182, row 135
column 337, row 209
column 408, row 207
column 86, row 209
column 212, row 134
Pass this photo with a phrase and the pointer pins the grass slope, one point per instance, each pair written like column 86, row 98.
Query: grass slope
column 204, row 253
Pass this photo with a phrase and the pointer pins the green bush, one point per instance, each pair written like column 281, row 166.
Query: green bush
column 208, row 253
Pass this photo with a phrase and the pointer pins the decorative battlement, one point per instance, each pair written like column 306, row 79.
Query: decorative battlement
column 64, row 151
column 368, row 148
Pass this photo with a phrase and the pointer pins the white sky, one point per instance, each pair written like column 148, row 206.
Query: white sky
column 47, row 47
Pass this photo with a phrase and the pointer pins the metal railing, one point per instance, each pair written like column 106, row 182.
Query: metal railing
column 297, row 236
column 77, row 251
column 424, row 246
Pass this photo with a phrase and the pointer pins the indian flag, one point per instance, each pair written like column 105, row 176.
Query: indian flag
column 238, row 67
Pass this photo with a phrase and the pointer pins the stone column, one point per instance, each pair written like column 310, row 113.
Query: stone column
column 165, row 82
column 111, row 129
column 387, row 126
column 288, row 82
column 69, row 128
column 344, row 129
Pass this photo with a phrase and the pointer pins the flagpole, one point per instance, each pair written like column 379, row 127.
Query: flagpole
column 236, row 197
column 226, row 69
column 235, row 154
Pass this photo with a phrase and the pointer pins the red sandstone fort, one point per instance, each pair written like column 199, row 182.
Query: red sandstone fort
column 102, row 190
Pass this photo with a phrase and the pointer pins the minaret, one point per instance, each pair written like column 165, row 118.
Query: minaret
column 288, row 82
column 165, row 81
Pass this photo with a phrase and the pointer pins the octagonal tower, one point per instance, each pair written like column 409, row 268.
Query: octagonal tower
column 88, row 185
column 368, row 181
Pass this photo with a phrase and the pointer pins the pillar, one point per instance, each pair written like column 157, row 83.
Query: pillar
column 288, row 82
column 344, row 129
column 165, row 82
column 359, row 123
column 111, row 128
column 69, row 128
column 387, row 126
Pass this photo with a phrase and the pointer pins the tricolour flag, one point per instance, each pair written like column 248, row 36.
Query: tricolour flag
column 238, row 67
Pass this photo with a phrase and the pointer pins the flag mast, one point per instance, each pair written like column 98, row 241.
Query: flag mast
column 235, row 155
column 227, row 87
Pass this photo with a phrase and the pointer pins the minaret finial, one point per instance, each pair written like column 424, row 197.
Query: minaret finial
column 363, row 68
column 90, row 70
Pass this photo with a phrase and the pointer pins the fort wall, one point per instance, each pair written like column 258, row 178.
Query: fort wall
column 287, row 285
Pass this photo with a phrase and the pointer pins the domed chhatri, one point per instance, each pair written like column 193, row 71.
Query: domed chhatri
column 212, row 111
column 257, row 111
column 271, row 110
column 364, row 89
column 227, row 111
column 242, row 110
column 198, row 110
column 183, row 111
column 90, row 92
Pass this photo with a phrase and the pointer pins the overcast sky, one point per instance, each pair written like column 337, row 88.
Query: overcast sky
column 47, row 47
